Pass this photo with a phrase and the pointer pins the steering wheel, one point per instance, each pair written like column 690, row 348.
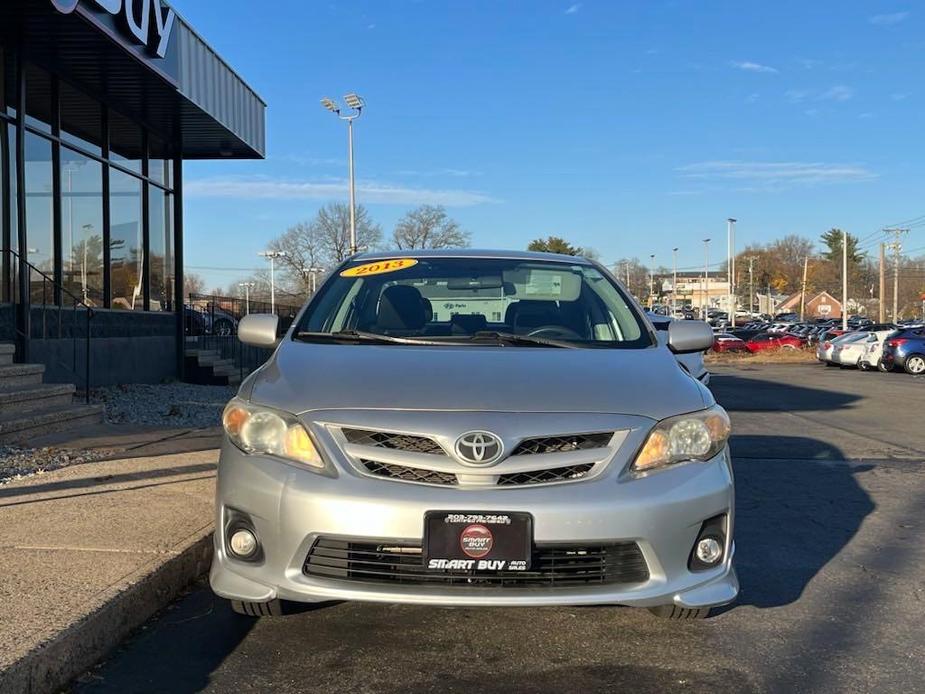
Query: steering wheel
column 555, row 331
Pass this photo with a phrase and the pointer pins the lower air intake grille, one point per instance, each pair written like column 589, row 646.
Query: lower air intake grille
column 556, row 474
column 551, row 565
column 408, row 474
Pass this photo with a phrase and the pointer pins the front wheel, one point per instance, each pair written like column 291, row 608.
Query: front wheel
column 915, row 364
column 680, row 614
column 881, row 366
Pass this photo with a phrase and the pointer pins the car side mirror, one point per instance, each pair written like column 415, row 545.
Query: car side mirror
column 689, row 336
column 258, row 329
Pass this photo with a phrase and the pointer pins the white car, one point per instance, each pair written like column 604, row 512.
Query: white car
column 849, row 352
column 873, row 356
column 825, row 348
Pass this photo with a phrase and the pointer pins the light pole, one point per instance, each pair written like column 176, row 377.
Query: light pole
column 272, row 256
column 652, row 280
column 312, row 271
column 731, row 267
column 844, row 281
column 356, row 104
column 706, row 278
column 247, row 295
column 674, row 280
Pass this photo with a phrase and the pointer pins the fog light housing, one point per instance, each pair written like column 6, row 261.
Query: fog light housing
column 243, row 543
column 709, row 551
column 709, row 548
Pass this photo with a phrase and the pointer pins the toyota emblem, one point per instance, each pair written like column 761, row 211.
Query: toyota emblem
column 479, row 448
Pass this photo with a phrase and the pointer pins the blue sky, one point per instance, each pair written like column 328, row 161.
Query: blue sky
column 630, row 127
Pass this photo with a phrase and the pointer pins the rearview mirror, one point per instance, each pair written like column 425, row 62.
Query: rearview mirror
column 258, row 329
column 686, row 336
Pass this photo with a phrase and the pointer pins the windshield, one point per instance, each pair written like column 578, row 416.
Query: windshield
column 474, row 301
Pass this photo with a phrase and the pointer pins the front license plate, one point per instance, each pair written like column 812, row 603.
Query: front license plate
column 477, row 541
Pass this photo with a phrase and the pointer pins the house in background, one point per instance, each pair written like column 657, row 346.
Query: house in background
column 818, row 305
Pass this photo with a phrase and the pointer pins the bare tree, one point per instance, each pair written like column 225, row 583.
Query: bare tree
column 429, row 226
column 193, row 284
column 332, row 226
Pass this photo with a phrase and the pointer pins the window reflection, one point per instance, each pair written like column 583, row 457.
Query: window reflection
column 39, row 215
column 160, row 244
column 82, row 226
column 125, row 243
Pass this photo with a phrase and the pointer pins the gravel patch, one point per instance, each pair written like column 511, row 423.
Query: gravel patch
column 18, row 463
column 167, row 405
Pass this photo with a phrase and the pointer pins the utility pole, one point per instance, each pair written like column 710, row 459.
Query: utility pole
column 651, row 280
column 731, row 267
column 882, row 294
column 751, row 282
column 896, row 246
column 803, row 288
column 674, row 280
column 844, row 281
column 706, row 279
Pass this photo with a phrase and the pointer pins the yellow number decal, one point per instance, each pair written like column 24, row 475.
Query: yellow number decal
column 379, row 267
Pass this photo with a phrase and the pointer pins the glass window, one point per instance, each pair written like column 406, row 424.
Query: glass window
column 160, row 242
column 82, row 226
column 159, row 162
column 125, row 142
column 39, row 214
column 38, row 98
column 125, row 241
column 81, row 119
column 7, row 84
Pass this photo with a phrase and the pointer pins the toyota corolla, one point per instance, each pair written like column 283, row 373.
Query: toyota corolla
column 480, row 429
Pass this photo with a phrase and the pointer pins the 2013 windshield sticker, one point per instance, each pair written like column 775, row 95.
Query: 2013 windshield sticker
column 379, row 267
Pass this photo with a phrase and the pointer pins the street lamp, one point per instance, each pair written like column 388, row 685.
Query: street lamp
column 652, row 280
column 674, row 280
column 272, row 256
column 706, row 278
column 356, row 104
column 312, row 271
column 247, row 286
column 731, row 267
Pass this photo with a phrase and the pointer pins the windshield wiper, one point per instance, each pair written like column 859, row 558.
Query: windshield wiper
column 514, row 339
column 359, row 336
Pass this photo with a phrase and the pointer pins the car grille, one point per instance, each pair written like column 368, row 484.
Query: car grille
column 556, row 474
column 397, row 442
column 562, row 444
column 551, row 565
column 408, row 474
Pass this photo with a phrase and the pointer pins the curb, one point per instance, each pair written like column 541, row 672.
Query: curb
column 79, row 646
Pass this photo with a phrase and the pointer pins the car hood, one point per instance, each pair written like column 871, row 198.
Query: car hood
column 648, row 382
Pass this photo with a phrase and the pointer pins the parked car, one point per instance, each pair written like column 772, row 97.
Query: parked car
column 826, row 346
column 550, row 453
column 765, row 341
column 724, row 342
column 905, row 349
column 851, row 350
column 873, row 356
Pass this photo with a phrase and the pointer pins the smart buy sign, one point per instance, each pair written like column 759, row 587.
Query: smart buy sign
column 144, row 22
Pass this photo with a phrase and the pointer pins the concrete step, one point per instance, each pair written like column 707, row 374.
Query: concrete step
column 7, row 350
column 21, row 427
column 35, row 397
column 15, row 375
column 202, row 353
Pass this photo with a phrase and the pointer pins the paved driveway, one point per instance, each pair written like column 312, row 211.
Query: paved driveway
column 830, row 468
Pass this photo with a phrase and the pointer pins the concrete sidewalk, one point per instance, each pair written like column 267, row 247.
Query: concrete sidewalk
column 90, row 552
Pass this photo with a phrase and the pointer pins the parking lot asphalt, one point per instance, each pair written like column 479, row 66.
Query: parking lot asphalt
column 830, row 472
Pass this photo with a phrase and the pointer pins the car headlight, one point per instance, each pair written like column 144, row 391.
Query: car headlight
column 259, row 430
column 697, row 436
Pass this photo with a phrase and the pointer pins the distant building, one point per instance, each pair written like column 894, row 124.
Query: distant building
column 818, row 305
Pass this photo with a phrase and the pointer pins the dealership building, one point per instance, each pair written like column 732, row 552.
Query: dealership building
column 100, row 103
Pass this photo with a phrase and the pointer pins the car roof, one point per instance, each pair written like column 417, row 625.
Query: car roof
column 472, row 253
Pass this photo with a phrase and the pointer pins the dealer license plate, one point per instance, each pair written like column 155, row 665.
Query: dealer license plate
column 477, row 541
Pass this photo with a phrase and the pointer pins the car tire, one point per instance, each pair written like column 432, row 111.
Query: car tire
column 881, row 367
column 864, row 366
column 222, row 328
column 680, row 614
column 273, row 608
column 915, row 364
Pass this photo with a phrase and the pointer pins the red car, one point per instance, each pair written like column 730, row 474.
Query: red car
column 765, row 341
column 724, row 342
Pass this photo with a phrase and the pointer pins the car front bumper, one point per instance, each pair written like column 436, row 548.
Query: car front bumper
column 289, row 508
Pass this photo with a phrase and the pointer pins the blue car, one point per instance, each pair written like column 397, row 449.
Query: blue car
column 905, row 349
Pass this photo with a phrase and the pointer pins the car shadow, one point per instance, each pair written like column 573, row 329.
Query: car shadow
column 761, row 394
column 794, row 513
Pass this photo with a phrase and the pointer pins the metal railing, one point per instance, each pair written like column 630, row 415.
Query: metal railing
column 48, row 305
column 211, row 323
